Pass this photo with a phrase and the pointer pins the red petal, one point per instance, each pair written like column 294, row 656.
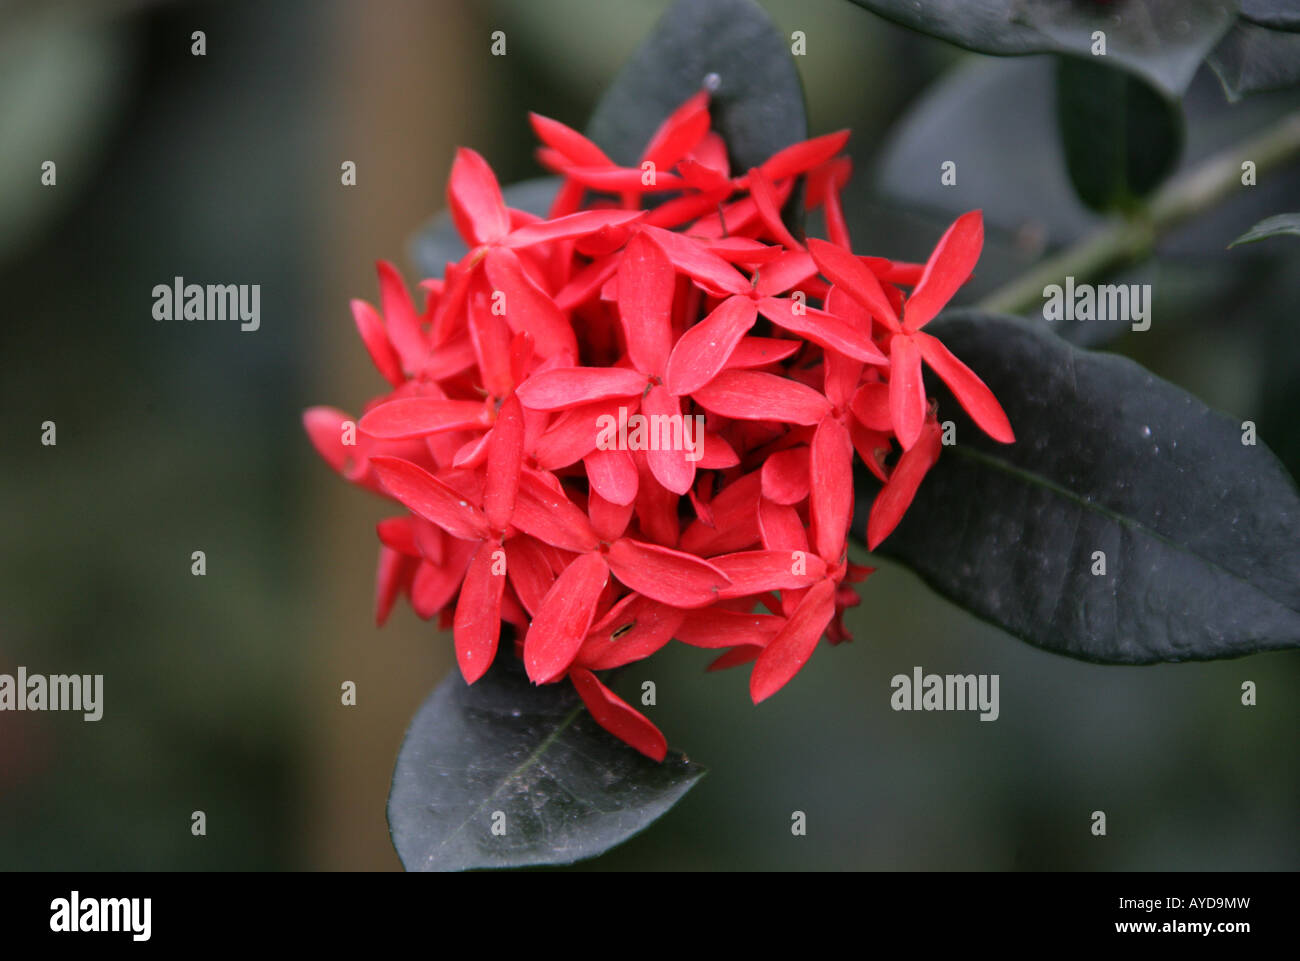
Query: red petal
column 761, row 351
column 837, row 228
column 656, row 506
column 673, row 577
column 705, row 348
column 474, row 196
column 394, row 573
column 735, row 515
column 550, row 516
column 704, row 178
column 371, row 329
column 646, row 280
column 434, row 585
column 895, row 497
column 693, row 258
column 398, row 534
column 450, row 358
column 841, row 376
column 616, row 716
column 676, row 443
column 678, row 135
column 718, row 454
column 846, row 271
column 735, row 657
column 754, row 395
column 400, row 318
column 699, row 504
column 785, row 475
column 871, row 406
column 420, row 416
column 790, row 649
column 753, row 572
column 505, row 456
column 742, row 250
column 609, row 520
column 634, row 628
column 970, row 391
column 821, row 328
column 564, row 387
column 472, row 454
column 831, row 503
column 949, row 267
column 716, row 627
column 429, row 497
column 781, row 528
column 789, row 270
column 895, row 271
column 575, row 433
column 761, row 189
column 530, row 572
column 564, row 618
column 613, row 475
column 478, row 612
column 573, row 145
column 803, row 156
column 324, row 426
column 528, row 307
column 623, row 179
column 566, row 228
column 491, row 339
column 582, row 285
column 906, row 389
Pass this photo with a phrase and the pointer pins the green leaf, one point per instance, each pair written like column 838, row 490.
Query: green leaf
column 1121, row 137
column 1270, row 227
column 437, row 242
column 528, row 759
column 1252, row 59
column 1163, row 41
column 1276, row 14
column 757, row 104
column 1200, row 532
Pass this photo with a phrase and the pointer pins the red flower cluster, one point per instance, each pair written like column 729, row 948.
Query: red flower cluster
column 634, row 422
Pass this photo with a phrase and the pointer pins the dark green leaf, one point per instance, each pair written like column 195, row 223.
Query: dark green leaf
column 1270, row 227
column 1163, row 41
column 1277, row 14
column 1252, row 59
column 567, row 788
column 1121, row 137
column 757, row 104
column 437, row 242
column 1201, row 532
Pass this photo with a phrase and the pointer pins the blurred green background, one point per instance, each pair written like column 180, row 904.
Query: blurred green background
column 222, row 691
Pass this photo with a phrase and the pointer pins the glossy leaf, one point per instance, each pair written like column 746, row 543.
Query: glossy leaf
column 1163, row 41
column 567, row 789
column 1270, row 227
column 1252, row 59
column 1200, row 533
column 1276, row 14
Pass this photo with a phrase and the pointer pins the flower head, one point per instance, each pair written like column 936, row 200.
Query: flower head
column 755, row 366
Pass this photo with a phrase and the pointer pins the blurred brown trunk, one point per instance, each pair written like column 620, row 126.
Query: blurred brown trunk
column 404, row 89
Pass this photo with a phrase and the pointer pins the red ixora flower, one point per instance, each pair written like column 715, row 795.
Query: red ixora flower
column 752, row 367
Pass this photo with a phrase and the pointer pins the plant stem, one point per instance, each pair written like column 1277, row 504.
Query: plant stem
column 1125, row 240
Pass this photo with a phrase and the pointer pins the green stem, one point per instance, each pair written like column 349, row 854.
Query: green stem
column 1124, row 240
